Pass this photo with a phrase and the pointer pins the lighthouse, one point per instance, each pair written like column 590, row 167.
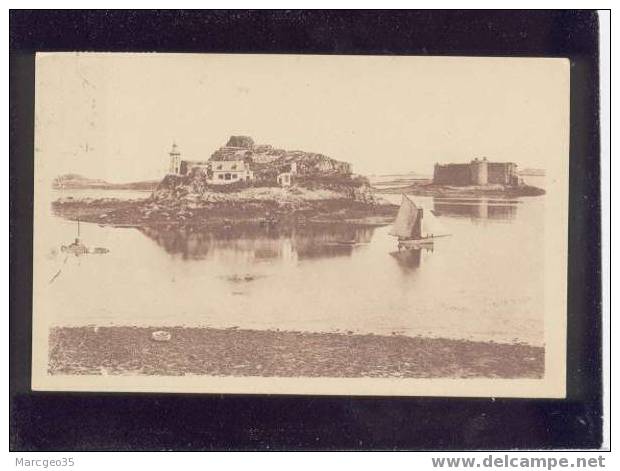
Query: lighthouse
column 175, row 160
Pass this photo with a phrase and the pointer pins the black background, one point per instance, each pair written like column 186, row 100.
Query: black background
column 93, row 421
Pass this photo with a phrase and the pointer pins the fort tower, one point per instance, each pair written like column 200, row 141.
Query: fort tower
column 479, row 171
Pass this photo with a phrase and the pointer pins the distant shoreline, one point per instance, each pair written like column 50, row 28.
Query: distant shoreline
column 79, row 182
column 126, row 350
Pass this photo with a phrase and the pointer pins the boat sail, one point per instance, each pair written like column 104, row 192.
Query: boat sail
column 410, row 228
column 408, row 223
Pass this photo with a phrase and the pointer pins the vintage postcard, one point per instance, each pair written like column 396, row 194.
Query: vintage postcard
column 297, row 224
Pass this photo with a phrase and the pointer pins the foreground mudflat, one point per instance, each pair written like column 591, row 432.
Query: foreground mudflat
column 235, row 352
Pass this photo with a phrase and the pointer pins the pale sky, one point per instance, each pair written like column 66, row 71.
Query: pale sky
column 115, row 116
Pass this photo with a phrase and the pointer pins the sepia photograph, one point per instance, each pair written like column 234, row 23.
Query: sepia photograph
column 300, row 224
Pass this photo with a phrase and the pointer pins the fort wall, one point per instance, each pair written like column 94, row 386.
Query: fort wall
column 477, row 172
column 452, row 174
column 503, row 173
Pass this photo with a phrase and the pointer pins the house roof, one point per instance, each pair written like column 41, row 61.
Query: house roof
column 196, row 162
column 228, row 165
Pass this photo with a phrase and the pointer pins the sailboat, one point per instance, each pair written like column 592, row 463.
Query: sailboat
column 78, row 248
column 410, row 228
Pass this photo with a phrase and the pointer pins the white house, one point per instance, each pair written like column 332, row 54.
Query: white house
column 221, row 172
column 229, row 171
column 286, row 178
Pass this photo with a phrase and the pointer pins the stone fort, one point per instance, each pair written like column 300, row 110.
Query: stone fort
column 476, row 172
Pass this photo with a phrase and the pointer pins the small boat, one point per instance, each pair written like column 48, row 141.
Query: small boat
column 75, row 248
column 345, row 243
column 409, row 228
column 78, row 248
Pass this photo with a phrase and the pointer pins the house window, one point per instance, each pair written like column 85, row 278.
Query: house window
column 220, row 176
column 219, row 167
column 234, row 167
column 227, row 176
column 234, row 176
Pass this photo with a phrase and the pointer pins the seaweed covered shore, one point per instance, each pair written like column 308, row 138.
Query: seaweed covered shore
column 236, row 352
column 426, row 187
column 153, row 212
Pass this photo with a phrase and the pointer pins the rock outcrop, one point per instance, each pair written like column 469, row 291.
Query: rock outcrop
column 195, row 186
column 267, row 159
column 315, row 177
column 240, row 141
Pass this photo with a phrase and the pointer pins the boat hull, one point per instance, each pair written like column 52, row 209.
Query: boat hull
column 413, row 243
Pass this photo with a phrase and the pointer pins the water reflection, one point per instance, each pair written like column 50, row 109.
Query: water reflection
column 476, row 208
column 257, row 243
column 408, row 260
column 461, row 290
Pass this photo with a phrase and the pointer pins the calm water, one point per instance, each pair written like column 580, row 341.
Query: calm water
column 483, row 282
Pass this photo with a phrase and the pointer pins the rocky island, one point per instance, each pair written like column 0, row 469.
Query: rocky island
column 244, row 183
column 479, row 178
